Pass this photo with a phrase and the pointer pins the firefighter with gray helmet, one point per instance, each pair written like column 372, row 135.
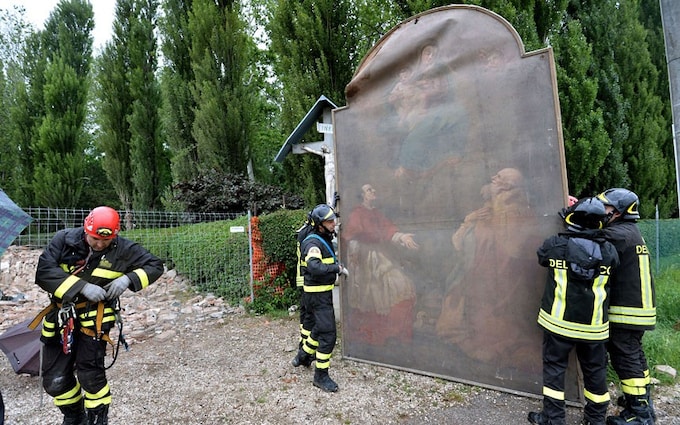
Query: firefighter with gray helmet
column 632, row 308
column 573, row 312
column 320, row 269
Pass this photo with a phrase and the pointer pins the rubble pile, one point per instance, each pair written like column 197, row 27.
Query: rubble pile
column 160, row 310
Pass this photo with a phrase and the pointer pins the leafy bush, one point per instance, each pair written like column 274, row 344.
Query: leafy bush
column 279, row 239
column 217, row 192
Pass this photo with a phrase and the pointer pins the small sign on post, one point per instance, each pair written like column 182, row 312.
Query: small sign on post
column 237, row 229
column 325, row 128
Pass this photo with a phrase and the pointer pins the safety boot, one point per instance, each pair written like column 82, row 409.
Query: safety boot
column 99, row 415
column 621, row 401
column 302, row 359
column 74, row 414
column 539, row 418
column 323, row 381
column 585, row 421
column 636, row 412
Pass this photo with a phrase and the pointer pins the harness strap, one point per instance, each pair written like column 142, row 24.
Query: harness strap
column 41, row 315
column 97, row 333
column 93, row 334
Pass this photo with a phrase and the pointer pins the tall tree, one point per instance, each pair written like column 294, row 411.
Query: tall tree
column 13, row 33
column 314, row 48
column 628, row 95
column 149, row 161
column 58, row 178
column 114, row 104
column 177, row 77
column 586, row 141
column 219, row 53
column 129, row 103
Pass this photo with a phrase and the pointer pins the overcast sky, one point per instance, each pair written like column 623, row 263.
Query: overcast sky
column 37, row 12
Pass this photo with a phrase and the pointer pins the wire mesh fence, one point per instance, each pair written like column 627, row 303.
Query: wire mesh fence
column 211, row 249
column 214, row 250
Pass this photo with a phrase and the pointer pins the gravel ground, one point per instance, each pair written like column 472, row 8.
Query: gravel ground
column 236, row 370
column 217, row 365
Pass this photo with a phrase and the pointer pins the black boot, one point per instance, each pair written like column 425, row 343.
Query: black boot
column 74, row 414
column 539, row 418
column 637, row 412
column 323, row 381
column 650, row 402
column 302, row 359
column 99, row 415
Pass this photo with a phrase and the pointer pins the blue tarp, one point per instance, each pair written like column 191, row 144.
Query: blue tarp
column 13, row 220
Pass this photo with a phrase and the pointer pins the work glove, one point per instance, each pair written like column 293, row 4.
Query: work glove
column 93, row 293
column 116, row 287
column 344, row 271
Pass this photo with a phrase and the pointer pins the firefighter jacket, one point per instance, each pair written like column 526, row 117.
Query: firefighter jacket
column 68, row 263
column 575, row 298
column 633, row 297
column 321, row 267
column 302, row 233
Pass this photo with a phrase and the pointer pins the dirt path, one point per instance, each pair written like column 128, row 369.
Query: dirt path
column 236, row 370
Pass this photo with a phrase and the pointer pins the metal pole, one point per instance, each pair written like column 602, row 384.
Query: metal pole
column 670, row 20
column 658, row 242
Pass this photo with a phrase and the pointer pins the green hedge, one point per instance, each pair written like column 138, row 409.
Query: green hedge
column 214, row 259
column 279, row 239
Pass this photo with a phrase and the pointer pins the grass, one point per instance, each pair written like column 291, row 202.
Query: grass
column 662, row 345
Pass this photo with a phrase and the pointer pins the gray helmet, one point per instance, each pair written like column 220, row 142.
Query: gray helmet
column 624, row 202
column 321, row 213
column 588, row 213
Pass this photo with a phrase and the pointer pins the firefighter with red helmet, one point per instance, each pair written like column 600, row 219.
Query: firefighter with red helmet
column 573, row 312
column 632, row 309
column 320, row 269
column 85, row 270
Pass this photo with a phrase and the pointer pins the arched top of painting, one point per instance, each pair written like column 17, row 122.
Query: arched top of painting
column 459, row 38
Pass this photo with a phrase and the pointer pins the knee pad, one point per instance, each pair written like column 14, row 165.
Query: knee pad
column 58, row 385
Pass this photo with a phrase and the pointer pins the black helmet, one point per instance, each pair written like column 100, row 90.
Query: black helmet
column 588, row 213
column 321, row 213
column 624, row 202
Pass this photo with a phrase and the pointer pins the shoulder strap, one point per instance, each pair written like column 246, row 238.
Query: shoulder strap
column 315, row 236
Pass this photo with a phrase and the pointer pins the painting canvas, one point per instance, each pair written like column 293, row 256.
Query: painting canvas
column 450, row 169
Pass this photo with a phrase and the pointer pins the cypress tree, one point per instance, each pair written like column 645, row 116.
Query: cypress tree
column 314, row 48
column 177, row 77
column 59, row 141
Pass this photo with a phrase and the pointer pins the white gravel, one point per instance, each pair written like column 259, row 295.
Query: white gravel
column 226, row 367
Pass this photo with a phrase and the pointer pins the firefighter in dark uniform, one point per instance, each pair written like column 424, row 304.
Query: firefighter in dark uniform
column 301, row 234
column 573, row 312
column 320, row 271
column 632, row 309
column 85, row 270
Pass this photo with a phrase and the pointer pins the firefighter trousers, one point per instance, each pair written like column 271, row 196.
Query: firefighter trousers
column 592, row 357
column 87, row 361
column 320, row 319
column 628, row 360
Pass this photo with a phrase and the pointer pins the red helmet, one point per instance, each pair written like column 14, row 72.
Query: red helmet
column 102, row 223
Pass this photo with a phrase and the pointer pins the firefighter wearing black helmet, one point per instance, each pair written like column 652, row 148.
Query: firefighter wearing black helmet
column 632, row 309
column 320, row 269
column 573, row 312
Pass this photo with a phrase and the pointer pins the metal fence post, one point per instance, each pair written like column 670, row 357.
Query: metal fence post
column 658, row 243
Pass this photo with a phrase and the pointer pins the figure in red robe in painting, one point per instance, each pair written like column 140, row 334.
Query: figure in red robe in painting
column 381, row 296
